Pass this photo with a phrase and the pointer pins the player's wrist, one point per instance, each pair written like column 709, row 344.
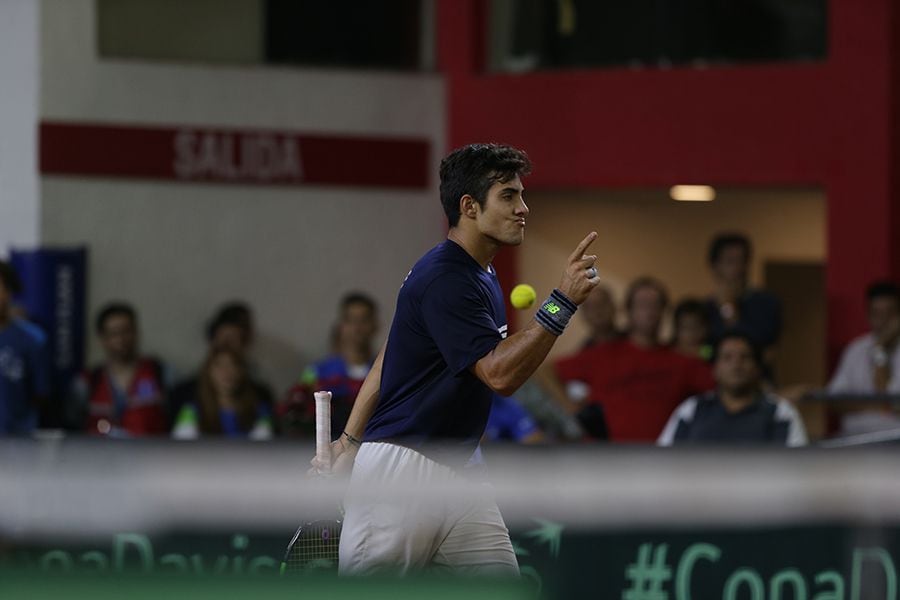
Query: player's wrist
column 555, row 312
column 352, row 440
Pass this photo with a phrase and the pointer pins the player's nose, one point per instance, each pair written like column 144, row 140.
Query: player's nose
column 522, row 208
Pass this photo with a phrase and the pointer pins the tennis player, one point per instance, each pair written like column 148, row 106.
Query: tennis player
column 424, row 405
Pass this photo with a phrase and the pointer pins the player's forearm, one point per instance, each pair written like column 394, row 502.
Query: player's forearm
column 366, row 399
column 515, row 359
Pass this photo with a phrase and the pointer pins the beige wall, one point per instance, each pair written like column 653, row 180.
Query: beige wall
column 644, row 232
column 179, row 250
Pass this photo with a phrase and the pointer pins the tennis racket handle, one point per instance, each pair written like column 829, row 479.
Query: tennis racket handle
column 323, row 427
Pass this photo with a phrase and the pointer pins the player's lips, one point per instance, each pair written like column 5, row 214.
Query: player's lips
column 520, row 222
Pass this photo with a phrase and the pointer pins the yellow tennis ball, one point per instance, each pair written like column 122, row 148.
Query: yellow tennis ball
column 522, row 296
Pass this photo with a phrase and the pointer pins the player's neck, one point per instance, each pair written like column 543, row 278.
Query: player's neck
column 477, row 246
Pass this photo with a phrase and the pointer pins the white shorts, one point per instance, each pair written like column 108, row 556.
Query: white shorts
column 387, row 530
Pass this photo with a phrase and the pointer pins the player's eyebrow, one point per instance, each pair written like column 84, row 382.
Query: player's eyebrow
column 513, row 190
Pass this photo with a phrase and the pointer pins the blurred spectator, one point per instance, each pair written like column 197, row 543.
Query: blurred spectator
column 231, row 328
column 24, row 364
column 599, row 312
column 631, row 386
column 510, row 421
column 871, row 363
column 738, row 410
column 226, row 402
column 691, row 334
column 342, row 373
column 549, row 414
column 125, row 395
column 733, row 304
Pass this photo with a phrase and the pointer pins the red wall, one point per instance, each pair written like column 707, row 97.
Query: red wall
column 828, row 124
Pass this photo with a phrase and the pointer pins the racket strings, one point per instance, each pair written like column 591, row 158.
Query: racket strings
column 315, row 547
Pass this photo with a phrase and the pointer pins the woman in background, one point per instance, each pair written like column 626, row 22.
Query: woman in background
column 226, row 402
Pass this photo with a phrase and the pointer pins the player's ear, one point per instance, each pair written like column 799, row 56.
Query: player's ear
column 467, row 206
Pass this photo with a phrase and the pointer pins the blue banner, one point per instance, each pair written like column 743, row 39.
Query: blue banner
column 54, row 290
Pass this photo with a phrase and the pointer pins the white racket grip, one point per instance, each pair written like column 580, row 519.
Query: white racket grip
column 323, row 428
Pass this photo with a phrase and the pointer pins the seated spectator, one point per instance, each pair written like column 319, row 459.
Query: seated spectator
column 24, row 364
column 738, row 410
column 631, row 386
column 511, row 422
column 599, row 312
column 733, row 303
column 871, row 363
column 342, row 373
column 125, row 395
column 231, row 328
column 226, row 403
column 691, row 333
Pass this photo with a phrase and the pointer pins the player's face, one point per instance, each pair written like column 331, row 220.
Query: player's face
column 735, row 368
column 119, row 337
column 503, row 216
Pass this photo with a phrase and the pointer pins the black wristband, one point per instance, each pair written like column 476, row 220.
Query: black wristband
column 353, row 441
column 555, row 313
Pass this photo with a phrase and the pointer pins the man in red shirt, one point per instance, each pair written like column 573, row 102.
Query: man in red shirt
column 125, row 395
column 636, row 381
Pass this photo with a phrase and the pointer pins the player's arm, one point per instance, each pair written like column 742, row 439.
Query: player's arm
column 343, row 449
column 366, row 399
column 517, row 357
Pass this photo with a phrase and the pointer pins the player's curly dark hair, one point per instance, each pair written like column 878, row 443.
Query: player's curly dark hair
column 473, row 169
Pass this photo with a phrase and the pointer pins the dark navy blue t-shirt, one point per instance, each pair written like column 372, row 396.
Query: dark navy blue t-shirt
column 450, row 314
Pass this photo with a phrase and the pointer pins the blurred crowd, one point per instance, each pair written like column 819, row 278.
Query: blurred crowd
column 713, row 381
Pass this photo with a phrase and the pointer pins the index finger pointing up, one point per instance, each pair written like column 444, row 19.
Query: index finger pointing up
column 579, row 250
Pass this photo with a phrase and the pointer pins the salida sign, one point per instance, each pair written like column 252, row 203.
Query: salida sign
column 243, row 156
column 253, row 157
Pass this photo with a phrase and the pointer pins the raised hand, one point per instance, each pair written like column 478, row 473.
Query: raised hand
column 580, row 276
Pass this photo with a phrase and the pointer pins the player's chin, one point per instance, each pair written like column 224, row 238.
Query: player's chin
column 515, row 239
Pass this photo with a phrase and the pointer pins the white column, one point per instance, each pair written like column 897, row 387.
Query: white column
column 19, row 106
